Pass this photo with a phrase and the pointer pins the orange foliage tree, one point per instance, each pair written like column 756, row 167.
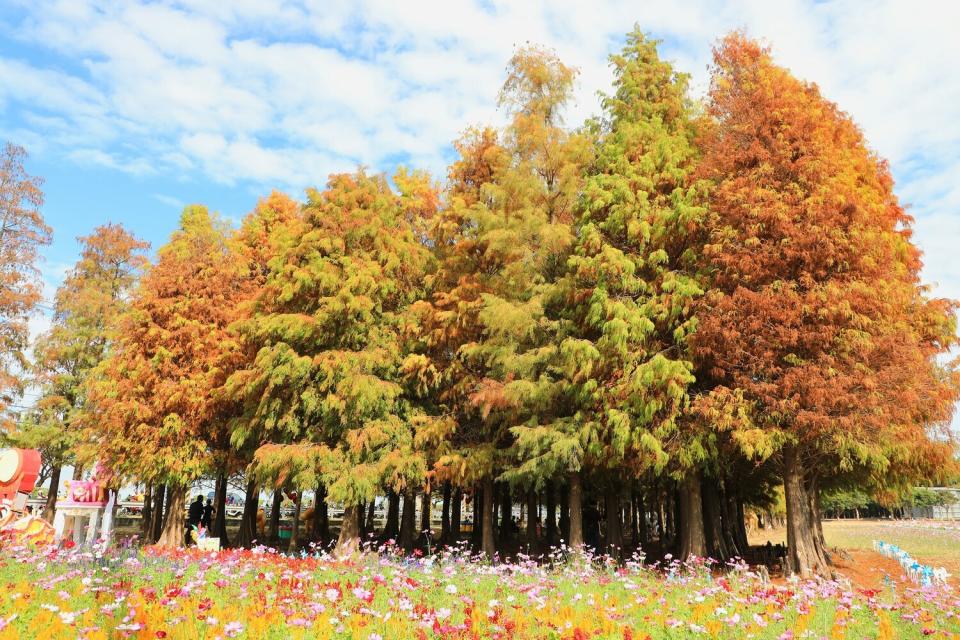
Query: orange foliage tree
column 153, row 412
column 22, row 233
column 815, row 314
column 92, row 297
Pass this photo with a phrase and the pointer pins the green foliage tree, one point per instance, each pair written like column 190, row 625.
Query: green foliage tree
column 323, row 397
column 618, row 376
column 501, row 243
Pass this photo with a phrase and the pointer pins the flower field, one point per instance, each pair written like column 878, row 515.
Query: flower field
column 260, row 594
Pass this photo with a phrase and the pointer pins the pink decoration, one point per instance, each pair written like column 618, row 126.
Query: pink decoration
column 88, row 492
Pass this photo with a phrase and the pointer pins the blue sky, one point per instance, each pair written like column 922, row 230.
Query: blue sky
column 132, row 109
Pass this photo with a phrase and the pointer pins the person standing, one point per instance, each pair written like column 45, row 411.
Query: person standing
column 194, row 516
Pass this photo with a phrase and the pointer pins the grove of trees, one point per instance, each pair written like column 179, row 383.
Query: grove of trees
column 655, row 319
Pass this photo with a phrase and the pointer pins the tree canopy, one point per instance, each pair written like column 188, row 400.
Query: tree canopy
column 646, row 324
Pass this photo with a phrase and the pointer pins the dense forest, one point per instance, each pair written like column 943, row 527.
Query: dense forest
column 667, row 315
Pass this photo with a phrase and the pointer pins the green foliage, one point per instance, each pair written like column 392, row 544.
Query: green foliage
column 324, row 394
column 924, row 497
column 621, row 309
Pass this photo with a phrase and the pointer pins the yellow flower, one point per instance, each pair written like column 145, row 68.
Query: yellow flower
column 884, row 628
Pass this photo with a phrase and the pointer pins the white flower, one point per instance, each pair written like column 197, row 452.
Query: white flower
column 451, row 589
column 332, row 595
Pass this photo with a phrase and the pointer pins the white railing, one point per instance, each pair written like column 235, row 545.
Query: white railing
column 920, row 573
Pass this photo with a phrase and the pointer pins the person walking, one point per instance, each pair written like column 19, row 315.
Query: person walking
column 207, row 517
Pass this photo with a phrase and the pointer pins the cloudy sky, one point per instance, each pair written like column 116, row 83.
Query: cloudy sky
column 132, row 109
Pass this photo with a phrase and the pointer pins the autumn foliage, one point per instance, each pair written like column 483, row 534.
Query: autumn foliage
column 815, row 312
column 666, row 314
column 22, row 233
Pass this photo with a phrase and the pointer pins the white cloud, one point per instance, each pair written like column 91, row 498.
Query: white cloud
column 273, row 93
column 170, row 201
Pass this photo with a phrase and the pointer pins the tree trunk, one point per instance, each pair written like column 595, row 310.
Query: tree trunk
column 321, row 521
column 804, row 556
column 576, row 512
column 614, row 538
column 740, row 526
column 408, row 521
column 49, row 510
column 146, row 514
column 349, row 541
column 674, row 516
column 174, row 529
column 361, row 521
column 476, row 534
column 248, row 522
column 455, row 510
column 551, row 524
column 533, row 519
column 693, row 542
column 713, row 521
column 391, row 528
column 273, row 530
column 294, row 545
column 640, row 520
column 445, row 514
column 425, row 516
column 506, row 511
column 813, row 496
column 563, row 524
column 220, row 511
column 159, row 503
column 487, row 544
column 661, row 523
column 371, row 525
column 730, row 514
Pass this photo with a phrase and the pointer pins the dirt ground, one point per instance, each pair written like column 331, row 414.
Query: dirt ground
column 868, row 569
column 934, row 544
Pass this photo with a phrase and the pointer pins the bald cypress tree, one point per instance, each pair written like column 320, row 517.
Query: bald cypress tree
column 502, row 240
column 816, row 315
column 623, row 307
column 152, row 412
column 324, row 393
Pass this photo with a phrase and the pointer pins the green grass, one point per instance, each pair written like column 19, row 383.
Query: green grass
column 927, row 544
